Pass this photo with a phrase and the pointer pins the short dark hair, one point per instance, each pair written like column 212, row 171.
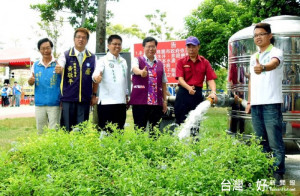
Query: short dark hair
column 43, row 41
column 266, row 27
column 149, row 39
column 84, row 30
column 112, row 37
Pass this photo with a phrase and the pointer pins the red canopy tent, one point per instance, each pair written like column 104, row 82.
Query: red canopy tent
column 16, row 58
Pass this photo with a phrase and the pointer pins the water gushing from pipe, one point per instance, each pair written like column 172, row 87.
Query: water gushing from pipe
column 193, row 119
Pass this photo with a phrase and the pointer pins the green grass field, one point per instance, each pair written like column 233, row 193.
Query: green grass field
column 21, row 128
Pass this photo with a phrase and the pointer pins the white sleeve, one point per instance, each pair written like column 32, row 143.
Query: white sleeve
column 164, row 78
column 32, row 69
column 62, row 60
column 277, row 53
column 135, row 63
column 99, row 67
column 252, row 63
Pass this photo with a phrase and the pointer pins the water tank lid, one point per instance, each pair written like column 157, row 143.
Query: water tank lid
column 282, row 17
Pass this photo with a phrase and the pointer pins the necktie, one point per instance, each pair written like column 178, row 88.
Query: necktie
column 80, row 57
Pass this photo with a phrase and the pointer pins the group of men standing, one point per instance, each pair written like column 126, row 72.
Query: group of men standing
column 66, row 88
column 77, row 78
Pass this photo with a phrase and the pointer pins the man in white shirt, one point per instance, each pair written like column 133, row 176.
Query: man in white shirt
column 265, row 96
column 111, row 74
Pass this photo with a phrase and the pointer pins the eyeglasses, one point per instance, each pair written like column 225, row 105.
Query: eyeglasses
column 259, row 35
column 81, row 37
column 116, row 44
column 47, row 48
column 150, row 47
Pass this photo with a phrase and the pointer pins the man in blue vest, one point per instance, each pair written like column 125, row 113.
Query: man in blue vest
column 78, row 91
column 16, row 94
column 4, row 95
column 46, row 91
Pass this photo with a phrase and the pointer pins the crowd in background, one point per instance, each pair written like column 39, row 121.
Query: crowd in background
column 11, row 96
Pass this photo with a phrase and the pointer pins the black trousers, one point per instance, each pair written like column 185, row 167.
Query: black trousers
column 74, row 113
column 4, row 101
column 146, row 113
column 112, row 113
column 185, row 102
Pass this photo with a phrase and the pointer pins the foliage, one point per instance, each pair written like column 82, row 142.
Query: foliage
column 90, row 14
column 221, row 81
column 11, row 129
column 53, row 30
column 130, row 163
column 82, row 13
column 159, row 28
column 261, row 9
column 132, row 31
column 215, row 21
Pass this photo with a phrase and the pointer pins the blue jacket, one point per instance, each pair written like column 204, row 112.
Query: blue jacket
column 47, row 83
column 4, row 92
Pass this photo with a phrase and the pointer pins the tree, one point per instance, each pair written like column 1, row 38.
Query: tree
column 261, row 9
column 132, row 31
column 83, row 13
column 53, row 30
column 159, row 27
column 215, row 21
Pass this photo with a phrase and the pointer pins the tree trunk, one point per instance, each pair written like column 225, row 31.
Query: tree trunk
column 84, row 13
column 101, row 26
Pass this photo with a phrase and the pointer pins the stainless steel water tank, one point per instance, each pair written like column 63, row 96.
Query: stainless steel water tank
column 286, row 31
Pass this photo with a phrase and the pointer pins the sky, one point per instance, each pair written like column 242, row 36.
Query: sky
column 19, row 23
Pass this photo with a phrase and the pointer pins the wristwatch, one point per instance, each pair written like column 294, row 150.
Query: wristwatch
column 94, row 94
column 263, row 68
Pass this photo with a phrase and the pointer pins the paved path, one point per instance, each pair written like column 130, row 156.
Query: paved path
column 17, row 112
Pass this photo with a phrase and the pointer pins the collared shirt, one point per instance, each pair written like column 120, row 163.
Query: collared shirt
column 150, row 63
column 41, row 63
column 62, row 59
column 195, row 73
column 113, row 87
column 266, row 88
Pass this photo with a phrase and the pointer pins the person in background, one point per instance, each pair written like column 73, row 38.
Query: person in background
column 265, row 96
column 78, row 91
column 9, row 94
column 16, row 94
column 46, row 87
column 111, row 73
column 191, row 71
column 171, row 89
column 149, row 87
column 4, row 95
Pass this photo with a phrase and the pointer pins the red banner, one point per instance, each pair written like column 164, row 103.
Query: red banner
column 168, row 52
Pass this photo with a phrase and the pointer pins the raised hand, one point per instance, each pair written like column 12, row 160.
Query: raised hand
column 58, row 69
column 98, row 78
column 31, row 80
column 144, row 72
column 258, row 68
